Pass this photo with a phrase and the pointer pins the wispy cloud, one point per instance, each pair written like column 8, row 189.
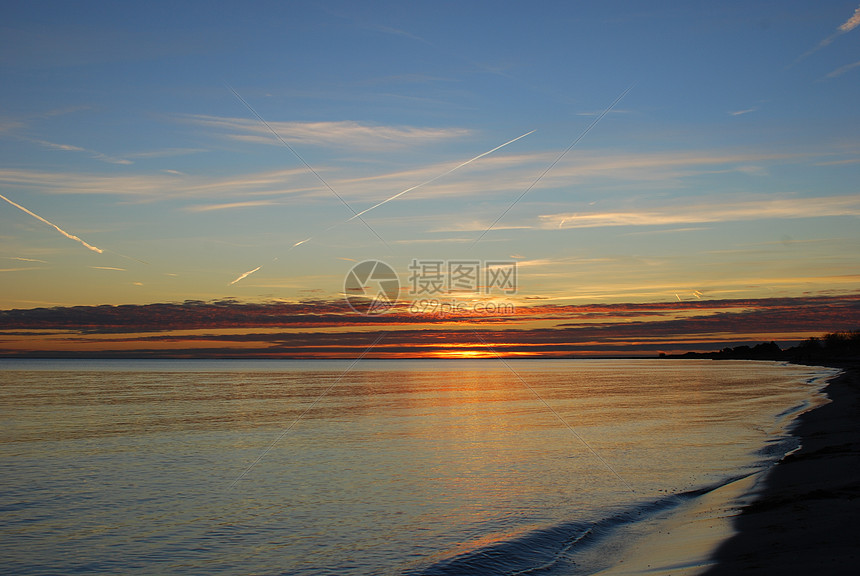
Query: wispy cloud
column 165, row 153
column 19, row 258
column 57, row 228
column 65, row 147
column 724, row 212
column 461, row 165
column 344, row 134
column 839, row 162
column 492, row 175
column 20, row 269
column 843, row 28
column 742, row 112
column 433, row 241
column 852, row 22
column 7, row 125
column 669, row 231
column 92, row 153
column 154, row 186
column 230, row 205
column 375, row 26
column 125, row 159
column 843, row 69
column 553, row 163
column 12, row 126
column 394, row 197
column 108, row 268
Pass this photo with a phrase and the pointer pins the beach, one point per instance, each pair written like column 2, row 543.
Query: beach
column 804, row 519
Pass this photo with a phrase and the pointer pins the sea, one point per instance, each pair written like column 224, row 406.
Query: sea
column 388, row 467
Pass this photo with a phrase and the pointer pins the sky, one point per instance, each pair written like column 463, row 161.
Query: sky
column 641, row 163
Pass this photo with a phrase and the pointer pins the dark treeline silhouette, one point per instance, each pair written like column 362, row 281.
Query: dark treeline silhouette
column 833, row 346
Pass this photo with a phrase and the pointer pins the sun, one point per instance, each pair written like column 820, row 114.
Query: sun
column 464, row 354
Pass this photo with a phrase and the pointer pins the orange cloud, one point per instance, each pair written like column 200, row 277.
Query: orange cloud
column 326, row 329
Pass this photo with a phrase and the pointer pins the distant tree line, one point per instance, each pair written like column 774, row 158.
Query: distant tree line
column 833, row 346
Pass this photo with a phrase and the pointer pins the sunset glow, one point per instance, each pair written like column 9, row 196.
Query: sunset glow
column 651, row 197
column 331, row 330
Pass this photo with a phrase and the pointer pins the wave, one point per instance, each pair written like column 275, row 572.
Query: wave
column 553, row 550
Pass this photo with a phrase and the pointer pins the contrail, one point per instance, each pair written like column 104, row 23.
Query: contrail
column 358, row 214
column 556, row 161
column 130, row 257
column 245, row 275
column 308, row 166
column 399, row 194
column 57, row 228
column 847, row 26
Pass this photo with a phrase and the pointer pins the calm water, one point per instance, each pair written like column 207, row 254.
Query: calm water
column 394, row 467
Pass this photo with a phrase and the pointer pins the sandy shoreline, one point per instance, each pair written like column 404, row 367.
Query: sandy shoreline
column 806, row 518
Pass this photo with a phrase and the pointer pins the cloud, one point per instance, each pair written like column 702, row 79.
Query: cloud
column 445, row 240
column 843, row 69
column 166, row 153
column 843, row 28
column 374, row 26
column 462, row 164
column 108, row 268
column 25, row 259
column 230, row 328
column 852, row 22
column 111, row 159
column 515, row 173
column 839, row 162
column 669, row 231
column 93, row 154
column 230, row 205
column 10, row 125
column 742, row 112
column 166, row 186
column 492, row 175
column 394, row 197
column 55, row 146
column 343, row 134
column 723, row 212
column 20, row 269
column 123, row 160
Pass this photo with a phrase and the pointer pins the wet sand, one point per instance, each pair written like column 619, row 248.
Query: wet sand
column 680, row 541
column 806, row 518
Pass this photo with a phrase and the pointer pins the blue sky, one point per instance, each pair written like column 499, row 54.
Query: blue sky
column 729, row 169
